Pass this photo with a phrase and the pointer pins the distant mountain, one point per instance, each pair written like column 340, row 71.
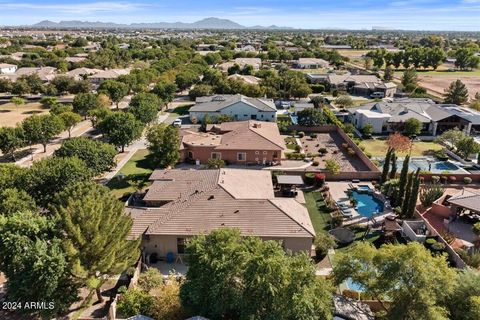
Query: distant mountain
column 207, row 23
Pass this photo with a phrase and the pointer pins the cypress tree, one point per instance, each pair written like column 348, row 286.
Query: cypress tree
column 414, row 195
column 393, row 171
column 386, row 165
column 403, row 181
column 408, row 191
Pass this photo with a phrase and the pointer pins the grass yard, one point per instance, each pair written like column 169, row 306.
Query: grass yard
column 378, row 148
column 135, row 175
column 319, row 214
column 181, row 110
column 291, row 143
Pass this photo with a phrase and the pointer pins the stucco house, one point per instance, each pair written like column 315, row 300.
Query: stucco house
column 243, row 142
column 256, row 63
column 237, row 106
column 6, row 68
column 111, row 74
column 310, row 63
column 390, row 116
column 184, row 203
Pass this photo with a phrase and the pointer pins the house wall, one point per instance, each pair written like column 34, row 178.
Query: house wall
column 8, row 70
column 238, row 111
column 203, row 154
column 360, row 120
column 439, row 209
column 162, row 244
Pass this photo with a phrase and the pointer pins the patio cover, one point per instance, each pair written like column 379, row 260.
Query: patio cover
column 291, row 180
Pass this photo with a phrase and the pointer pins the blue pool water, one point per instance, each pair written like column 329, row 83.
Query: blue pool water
column 434, row 167
column 354, row 286
column 294, row 119
column 367, row 205
column 363, row 187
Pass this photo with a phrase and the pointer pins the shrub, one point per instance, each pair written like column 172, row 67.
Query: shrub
column 438, row 246
column 430, row 193
column 441, row 155
column 345, row 145
column 443, row 179
column 310, row 178
column 133, row 302
column 362, row 147
column 313, row 135
column 301, row 134
column 150, row 279
column 315, row 163
column 323, row 242
column 351, row 152
column 298, row 148
column 430, row 242
column 435, row 179
column 323, row 150
column 476, row 228
column 467, row 180
column 368, row 154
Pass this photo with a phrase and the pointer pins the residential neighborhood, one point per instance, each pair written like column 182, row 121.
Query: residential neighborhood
column 221, row 170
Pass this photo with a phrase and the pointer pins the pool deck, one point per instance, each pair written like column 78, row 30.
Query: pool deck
column 338, row 191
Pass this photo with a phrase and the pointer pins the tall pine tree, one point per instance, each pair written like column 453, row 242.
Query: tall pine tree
column 386, row 165
column 408, row 191
column 413, row 195
column 403, row 181
column 393, row 171
column 95, row 230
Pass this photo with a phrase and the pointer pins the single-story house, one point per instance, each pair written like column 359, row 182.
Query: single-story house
column 237, row 106
column 6, row 68
column 111, row 74
column 242, row 142
column 184, row 203
column 436, row 118
column 245, row 78
column 81, row 73
column 256, row 63
column 45, row 74
column 362, row 85
column 310, row 63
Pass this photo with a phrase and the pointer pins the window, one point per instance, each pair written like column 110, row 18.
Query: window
column 190, row 154
column 241, row 156
column 262, row 116
column 253, row 117
column 180, row 245
column 264, row 152
column 257, row 152
column 216, row 155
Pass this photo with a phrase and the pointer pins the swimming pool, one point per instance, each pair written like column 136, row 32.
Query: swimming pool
column 364, row 187
column 354, row 285
column 367, row 204
column 432, row 166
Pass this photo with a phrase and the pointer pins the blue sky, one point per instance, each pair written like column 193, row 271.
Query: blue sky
column 348, row 14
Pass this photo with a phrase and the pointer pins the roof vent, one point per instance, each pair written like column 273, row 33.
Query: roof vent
column 236, row 211
column 211, row 197
column 257, row 125
column 218, row 98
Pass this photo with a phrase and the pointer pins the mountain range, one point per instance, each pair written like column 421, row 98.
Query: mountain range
column 207, row 23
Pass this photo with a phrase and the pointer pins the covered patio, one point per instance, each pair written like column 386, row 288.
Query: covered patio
column 288, row 185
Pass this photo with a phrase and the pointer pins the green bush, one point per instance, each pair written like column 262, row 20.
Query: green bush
column 301, row 134
column 323, row 242
column 315, row 163
column 467, row 180
column 310, row 178
column 430, row 242
column 313, row 135
column 323, row 150
column 435, row 179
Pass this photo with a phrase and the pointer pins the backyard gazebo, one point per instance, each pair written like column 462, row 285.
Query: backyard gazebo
column 288, row 183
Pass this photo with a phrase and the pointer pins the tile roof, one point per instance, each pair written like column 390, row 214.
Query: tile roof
column 467, row 199
column 235, row 198
column 219, row 102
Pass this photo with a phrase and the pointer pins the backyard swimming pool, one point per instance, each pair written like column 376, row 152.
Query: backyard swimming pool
column 367, row 204
column 354, row 286
column 431, row 165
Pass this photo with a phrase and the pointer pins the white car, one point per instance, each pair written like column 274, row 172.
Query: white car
column 177, row 123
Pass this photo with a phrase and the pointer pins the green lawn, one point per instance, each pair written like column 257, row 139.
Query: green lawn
column 135, row 174
column 319, row 214
column 291, row 143
column 378, row 148
column 181, row 110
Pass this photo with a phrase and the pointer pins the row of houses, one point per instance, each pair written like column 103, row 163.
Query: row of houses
column 390, row 116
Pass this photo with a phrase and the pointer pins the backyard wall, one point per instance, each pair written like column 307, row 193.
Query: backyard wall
column 427, row 177
column 439, row 209
column 373, row 174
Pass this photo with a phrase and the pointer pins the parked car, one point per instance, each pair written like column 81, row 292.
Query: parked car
column 377, row 95
column 177, row 122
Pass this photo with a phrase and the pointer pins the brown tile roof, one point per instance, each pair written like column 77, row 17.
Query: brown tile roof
column 216, row 204
column 466, row 199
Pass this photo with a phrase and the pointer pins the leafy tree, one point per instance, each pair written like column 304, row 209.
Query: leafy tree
column 115, row 90
column 150, row 279
column 95, row 230
column 17, row 101
column 41, row 129
column 163, row 141
column 230, row 276
column 121, row 128
column 20, row 87
column 98, row 114
column 412, row 127
column 451, row 137
column 344, row 101
column 133, row 302
column 63, row 83
column 186, row 78
column 412, row 201
column 324, row 242
column 34, row 263
column 84, row 102
column 332, row 166
column 49, row 102
column 200, row 90
column 462, row 303
column 467, row 146
column 97, row 155
column 10, row 175
column 13, row 200
column 215, row 164
column 408, row 194
column 70, row 120
column 5, row 85
column 311, row 117
column 414, row 281
column 58, row 108
column 367, row 130
column 11, row 138
column 82, row 86
column 399, row 142
column 457, row 93
column 165, row 90
column 144, row 106
column 51, row 175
